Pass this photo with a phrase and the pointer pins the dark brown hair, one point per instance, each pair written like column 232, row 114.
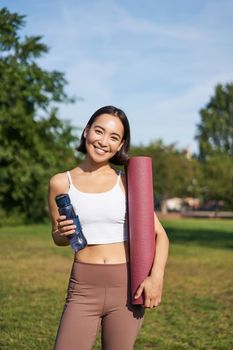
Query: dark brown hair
column 121, row 157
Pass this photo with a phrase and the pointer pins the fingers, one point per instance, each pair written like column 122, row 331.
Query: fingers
column 139, row 292
column 152, row 303
column 65, row 227
column 152, row 297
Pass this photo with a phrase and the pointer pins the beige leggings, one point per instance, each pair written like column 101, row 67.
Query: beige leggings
column 98, row 295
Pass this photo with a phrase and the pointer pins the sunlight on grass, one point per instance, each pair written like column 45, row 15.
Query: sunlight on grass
column 195, row 312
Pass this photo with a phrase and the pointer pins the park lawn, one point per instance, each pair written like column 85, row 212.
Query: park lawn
column 195, row 313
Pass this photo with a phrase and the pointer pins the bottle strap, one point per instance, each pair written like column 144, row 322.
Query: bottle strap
column 118, row 177
column 69, row 178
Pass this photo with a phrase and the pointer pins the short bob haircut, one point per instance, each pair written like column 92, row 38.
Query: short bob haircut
column 121, row 157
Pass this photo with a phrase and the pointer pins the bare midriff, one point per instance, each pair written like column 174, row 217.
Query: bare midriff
column 113, row 253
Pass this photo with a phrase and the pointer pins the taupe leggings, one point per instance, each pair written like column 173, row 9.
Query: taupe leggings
column 98, row 295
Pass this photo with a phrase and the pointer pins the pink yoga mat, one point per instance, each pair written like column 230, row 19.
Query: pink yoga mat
column 140, row 221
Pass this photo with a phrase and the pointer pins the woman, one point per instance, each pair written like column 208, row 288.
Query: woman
column 98, row 288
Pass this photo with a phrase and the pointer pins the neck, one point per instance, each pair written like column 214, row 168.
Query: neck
column 92, row 167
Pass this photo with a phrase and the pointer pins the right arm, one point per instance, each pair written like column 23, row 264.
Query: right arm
column 60, row 226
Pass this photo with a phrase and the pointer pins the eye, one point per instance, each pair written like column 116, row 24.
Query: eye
column 98, row 131
column 114, row 138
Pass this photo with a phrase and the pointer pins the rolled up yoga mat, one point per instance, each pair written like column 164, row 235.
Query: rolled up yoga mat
column 140, row 206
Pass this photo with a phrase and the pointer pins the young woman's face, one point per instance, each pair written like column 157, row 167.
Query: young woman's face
column 104, row 137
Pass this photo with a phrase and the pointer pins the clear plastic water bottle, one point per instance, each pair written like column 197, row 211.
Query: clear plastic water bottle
column 77, row 239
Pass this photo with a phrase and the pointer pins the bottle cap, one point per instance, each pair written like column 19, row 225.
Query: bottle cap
column 62, row 200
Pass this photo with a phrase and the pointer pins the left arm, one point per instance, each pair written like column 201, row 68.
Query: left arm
column 153, row 284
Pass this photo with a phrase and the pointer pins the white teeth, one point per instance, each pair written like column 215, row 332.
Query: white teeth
column 99, row 150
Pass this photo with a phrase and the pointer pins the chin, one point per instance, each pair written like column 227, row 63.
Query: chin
column 98, row 158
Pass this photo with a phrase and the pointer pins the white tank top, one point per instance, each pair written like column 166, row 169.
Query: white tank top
column 102, row 215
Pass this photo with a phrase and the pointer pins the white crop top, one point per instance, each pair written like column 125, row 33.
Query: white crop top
column 102, row 215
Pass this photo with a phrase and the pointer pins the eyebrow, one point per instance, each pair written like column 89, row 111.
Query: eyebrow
column 113, row 133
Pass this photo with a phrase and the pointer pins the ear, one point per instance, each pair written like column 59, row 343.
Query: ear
column 85, row 131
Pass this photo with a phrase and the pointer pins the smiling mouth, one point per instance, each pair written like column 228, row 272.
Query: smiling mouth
column 99, row 150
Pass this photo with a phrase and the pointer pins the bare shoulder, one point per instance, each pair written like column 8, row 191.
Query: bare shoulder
column 59, row 182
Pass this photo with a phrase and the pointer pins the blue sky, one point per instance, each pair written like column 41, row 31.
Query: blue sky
column 157, row 60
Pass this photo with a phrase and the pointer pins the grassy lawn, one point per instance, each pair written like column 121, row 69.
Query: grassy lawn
column 196, row 311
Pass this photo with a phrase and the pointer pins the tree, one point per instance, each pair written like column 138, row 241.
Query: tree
column 173, row 173
column 215, row 131
column 34, row 143
column 215, row 137
column 217, row 180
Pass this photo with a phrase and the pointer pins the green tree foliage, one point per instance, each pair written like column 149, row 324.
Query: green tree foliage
column 174, row 173
column 215, row 137
column 217, row 180
column 215, row 131
column 34, row 143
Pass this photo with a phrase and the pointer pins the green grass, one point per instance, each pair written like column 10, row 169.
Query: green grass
column 196, row 310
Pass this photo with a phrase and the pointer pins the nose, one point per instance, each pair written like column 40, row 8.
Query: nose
column 103, row 141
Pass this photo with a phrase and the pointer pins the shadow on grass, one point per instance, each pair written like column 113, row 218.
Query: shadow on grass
column 213, row 238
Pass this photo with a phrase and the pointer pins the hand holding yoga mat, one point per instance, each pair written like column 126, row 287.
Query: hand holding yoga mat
column 140, row 221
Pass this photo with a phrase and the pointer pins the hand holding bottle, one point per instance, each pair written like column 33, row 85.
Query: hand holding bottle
column 66, row 227
column 76, row 236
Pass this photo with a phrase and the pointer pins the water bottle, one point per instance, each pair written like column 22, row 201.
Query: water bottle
column 77, row 239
